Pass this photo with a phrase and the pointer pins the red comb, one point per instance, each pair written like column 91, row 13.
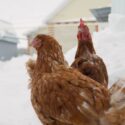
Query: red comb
column 81, row 22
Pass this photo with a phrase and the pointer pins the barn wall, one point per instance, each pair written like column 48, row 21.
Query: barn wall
column 76, row 9
column 7, row 50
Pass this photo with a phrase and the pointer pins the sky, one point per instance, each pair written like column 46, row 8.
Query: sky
column 27, row 14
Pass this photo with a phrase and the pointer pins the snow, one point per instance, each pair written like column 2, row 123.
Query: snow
column 15, row 105
column 116, row 23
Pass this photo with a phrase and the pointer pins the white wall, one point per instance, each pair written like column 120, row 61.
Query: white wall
column 76, row 9
column 118, row 6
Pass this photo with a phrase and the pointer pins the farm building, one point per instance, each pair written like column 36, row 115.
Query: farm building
column 62, row 24
column 8, row 41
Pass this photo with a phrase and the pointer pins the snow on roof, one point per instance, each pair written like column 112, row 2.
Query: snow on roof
column 7, row 32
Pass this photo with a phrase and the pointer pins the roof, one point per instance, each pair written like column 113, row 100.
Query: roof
column 75, row 9
column 101, row 14
column 7, row 32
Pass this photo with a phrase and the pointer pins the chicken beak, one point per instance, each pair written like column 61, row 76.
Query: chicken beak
column 36, row 43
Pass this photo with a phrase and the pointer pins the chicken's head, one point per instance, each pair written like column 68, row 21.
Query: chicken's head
column 83, row 32
column 47, row 42
column 47, row 46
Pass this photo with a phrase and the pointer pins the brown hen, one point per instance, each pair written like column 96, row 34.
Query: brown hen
column 61, row 95
column 86, row 59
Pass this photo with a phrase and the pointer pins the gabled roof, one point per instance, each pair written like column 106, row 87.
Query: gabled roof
column 75, row 9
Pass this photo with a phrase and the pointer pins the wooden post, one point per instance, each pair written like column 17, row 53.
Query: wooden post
column 96, row 27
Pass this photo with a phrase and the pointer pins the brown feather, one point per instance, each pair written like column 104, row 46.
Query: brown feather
column 115, row 115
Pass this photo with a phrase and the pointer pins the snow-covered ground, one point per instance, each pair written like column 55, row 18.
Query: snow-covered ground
column 15, row 105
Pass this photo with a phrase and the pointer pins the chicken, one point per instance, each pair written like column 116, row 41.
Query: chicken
column 86, row 60
column 61, row 95
column 115, row 115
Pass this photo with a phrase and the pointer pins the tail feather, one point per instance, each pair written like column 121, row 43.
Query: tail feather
column 30, row 65
column 116, row 113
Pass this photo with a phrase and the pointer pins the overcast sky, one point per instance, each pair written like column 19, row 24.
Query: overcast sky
column 27, row 13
